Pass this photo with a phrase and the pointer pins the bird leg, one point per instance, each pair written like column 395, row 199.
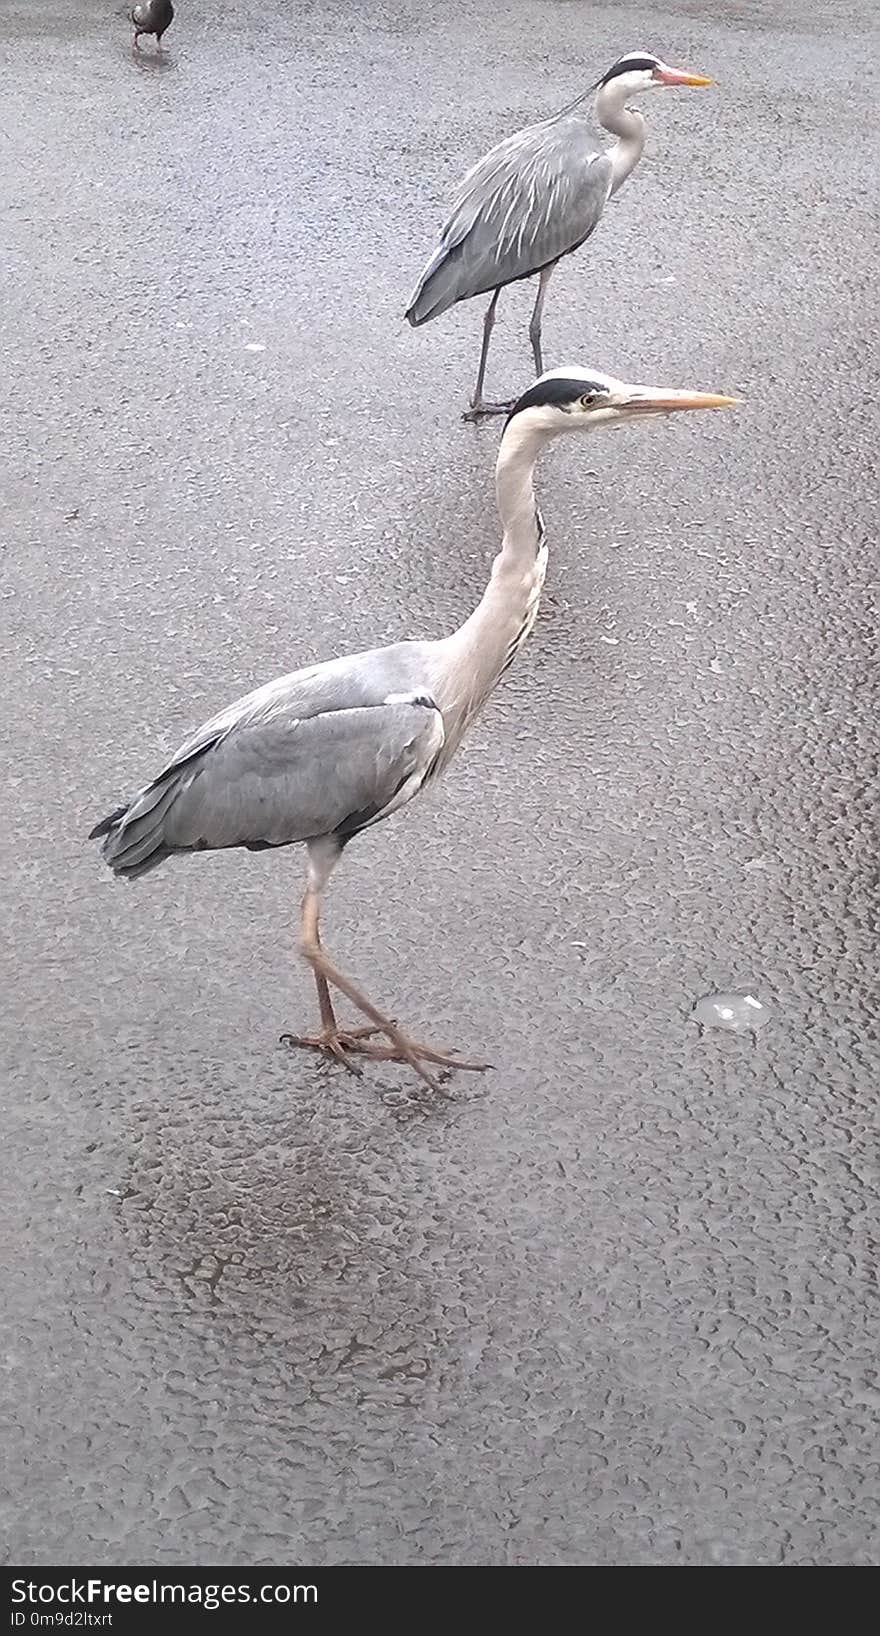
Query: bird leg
column 338, row 1042
column 478, row 404
column 537, row 315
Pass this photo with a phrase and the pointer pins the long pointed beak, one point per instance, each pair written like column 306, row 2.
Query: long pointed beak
column 680, row 76
column 649, row 400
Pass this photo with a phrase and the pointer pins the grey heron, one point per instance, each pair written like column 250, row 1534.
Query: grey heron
column 534, row 198
column 151, row 17
column 322, row 754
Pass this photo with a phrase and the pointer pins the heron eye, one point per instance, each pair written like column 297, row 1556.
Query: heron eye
column 588, row 399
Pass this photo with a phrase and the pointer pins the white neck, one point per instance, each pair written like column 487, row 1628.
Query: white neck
column 477, row 654
column 624, row 123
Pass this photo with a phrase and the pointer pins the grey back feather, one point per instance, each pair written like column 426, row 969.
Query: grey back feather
column 533, row 198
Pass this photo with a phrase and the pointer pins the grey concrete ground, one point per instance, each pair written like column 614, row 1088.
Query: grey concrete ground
column 612, row 1304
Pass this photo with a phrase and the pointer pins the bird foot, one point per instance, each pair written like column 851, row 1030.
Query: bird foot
column 341, row 1043
column 336, row 1043
column 480, row 409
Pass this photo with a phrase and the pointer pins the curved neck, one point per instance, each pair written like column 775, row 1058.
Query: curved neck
column 483, row 647
column 624, row 123
column 515, row 492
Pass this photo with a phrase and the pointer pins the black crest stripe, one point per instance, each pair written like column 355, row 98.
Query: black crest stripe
column 561, row 389
column 629, row 65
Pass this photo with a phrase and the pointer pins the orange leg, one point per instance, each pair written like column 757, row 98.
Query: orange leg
column 338, row 1042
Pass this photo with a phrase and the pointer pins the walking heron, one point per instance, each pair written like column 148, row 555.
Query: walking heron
column 324, row 753
column 534, row 198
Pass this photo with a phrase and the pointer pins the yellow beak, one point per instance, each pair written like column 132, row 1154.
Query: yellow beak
column 648, row 401
column 680, row 76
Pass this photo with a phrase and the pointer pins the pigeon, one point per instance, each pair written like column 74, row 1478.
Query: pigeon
column 151, row 17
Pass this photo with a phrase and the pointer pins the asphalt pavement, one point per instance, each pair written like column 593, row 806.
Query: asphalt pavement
column 613, row 1302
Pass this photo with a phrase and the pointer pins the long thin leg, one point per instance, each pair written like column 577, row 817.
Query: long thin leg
column 537, row 316
column 332, row 1030
column 488, row 326
column 325, row 1004
column 338, row 1042
column 479, row 406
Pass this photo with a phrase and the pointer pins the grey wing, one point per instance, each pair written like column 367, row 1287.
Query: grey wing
column 532, row 199
column 278, row 778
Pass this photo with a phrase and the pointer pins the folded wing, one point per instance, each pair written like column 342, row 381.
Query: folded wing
column 532, row 199
column 274, row 776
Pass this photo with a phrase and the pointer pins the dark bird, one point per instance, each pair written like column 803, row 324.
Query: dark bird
column 535, row 197
column 151, row 17
column 320, row 755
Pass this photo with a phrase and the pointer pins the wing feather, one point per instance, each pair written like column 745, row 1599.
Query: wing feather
column 279, row 778
column 325, row 750
column 277, row 782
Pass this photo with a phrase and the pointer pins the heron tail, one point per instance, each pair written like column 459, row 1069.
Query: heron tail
column 438, row 288
column 108, row 823
column 133, row 836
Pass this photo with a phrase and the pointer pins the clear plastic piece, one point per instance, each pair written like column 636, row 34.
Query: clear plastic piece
column 737, row 1012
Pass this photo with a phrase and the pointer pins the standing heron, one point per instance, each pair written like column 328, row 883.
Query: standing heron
column 319, row 755
column 534, row 198
column 151, row 17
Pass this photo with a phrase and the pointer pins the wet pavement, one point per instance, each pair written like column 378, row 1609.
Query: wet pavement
column 611, row 1304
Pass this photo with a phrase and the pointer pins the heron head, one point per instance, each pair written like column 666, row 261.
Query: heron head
column 570, row 400
column 639, row 71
